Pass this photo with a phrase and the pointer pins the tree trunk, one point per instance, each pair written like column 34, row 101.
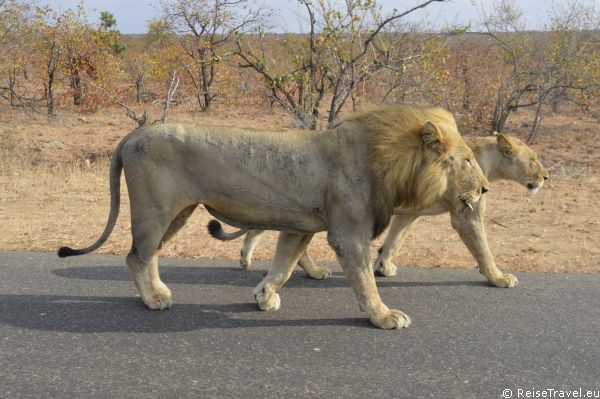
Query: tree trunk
column 52, row 67
column 206, row 74
column 138, row 89
column 557, row 96
column 50, row 94
column 11, row 92
column 76, row 87
column 504, row 106
column 499, row 118
column 537, row 121
column 207, row 101
column 12, row 81
column 467, row 84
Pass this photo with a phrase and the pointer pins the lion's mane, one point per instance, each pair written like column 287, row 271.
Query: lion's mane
column 405, row 171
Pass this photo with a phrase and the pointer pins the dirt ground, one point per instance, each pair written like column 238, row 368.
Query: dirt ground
column 54, row 191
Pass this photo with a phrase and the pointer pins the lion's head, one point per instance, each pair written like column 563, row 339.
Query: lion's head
column 466, row 181
column 521, row 163
column 417, row 158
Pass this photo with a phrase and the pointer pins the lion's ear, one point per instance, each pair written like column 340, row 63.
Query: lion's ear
column 506, row 146
column 433, row 138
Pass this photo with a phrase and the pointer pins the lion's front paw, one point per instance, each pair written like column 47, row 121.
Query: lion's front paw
column 158, row 298
column 394, row 319
column 319, row 273
column 268, row 300
column 245, row 262
column 504, row 281
column 385, row 269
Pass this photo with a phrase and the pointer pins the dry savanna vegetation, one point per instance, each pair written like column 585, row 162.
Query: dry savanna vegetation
column 71, row 88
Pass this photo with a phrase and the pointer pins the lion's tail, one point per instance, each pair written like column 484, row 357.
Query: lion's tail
column 216, row 230
column 116, row 165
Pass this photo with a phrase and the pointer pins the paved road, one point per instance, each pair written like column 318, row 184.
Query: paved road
column 74, row 328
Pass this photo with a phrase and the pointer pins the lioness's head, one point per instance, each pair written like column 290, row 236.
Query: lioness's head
column 520, row 163
column 465, row 180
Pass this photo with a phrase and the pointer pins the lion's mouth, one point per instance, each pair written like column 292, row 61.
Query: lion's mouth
column 468, row 200
column 534, row 187
column 467, row 204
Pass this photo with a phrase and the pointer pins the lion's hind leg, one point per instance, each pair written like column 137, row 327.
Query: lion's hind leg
column 142, row 260
column 399, row 228
column 177, row 223
column 250, row 241
column 155, row 294
column 289, row 249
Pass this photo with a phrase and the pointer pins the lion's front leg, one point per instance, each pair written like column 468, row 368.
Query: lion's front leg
column 354, row 256
column 471, row 229
column 289, row 249
column 399, row 228
column 312, row 269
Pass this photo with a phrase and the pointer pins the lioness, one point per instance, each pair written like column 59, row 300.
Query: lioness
column 346, row 180
column 500, row 157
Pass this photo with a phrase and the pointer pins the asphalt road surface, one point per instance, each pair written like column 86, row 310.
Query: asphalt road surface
column 74, row 328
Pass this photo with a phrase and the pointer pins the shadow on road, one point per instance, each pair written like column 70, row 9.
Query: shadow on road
column 242, row 278
column 83, row 314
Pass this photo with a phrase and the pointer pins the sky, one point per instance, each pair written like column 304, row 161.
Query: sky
column 133, row 15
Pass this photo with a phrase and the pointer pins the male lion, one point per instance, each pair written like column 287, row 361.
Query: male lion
column 346, row 180
column 500, row 157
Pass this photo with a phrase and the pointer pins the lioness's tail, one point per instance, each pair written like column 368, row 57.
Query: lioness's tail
column 216, row 230
column 116, row 165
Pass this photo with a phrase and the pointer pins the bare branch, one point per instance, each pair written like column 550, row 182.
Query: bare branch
column 27, row 103
column 140, row 120
column 174, row 82
column 385, row 22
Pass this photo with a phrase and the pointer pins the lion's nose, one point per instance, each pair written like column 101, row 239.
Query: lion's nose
column 546, row 177
column 484, row 190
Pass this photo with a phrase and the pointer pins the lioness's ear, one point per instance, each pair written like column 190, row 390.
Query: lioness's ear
column 506, row 147
column 433, row 138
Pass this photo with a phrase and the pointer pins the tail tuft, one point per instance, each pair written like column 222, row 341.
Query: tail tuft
column 216, row 231
column 214, row 228
column 63, row 252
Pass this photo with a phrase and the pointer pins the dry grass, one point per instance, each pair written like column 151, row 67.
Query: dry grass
column 54, row 191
